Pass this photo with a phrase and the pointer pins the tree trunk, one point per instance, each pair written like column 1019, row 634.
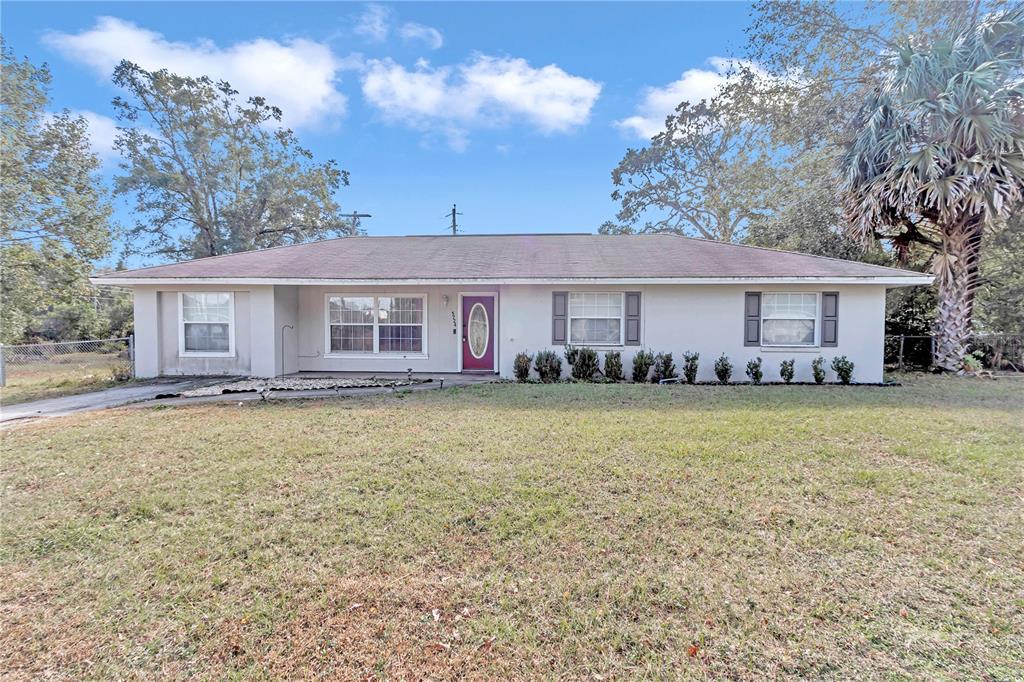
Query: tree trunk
column 957, row 285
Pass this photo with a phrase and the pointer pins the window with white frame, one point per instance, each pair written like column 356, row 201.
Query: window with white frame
column 206, row 322
column 375, row 324
column 595, row 318
column 788, row 319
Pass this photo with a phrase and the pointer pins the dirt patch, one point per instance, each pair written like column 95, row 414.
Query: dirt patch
column 400, row 627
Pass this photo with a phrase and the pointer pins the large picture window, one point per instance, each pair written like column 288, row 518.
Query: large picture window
column 206, row 323
column 788, row 319
column 375, row 324
column 595, row 318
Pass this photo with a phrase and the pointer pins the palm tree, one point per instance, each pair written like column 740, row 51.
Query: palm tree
column 937, row 160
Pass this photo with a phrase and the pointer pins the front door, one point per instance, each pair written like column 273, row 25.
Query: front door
column 478, row 333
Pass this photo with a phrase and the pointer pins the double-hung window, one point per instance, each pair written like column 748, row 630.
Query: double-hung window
column 375, row 324
column 789, row 319
column 595, row 318
column 206, row 323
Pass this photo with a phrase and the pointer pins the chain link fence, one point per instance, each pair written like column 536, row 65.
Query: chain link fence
column 999, row 352
column 67, row 361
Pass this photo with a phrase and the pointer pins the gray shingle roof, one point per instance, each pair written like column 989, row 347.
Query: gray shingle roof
column 518, row 256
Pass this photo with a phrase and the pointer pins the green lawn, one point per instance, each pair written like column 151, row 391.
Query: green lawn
column 505, row 531
column 63, row 375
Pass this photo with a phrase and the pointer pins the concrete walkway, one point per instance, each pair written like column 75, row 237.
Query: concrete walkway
column 96, row 400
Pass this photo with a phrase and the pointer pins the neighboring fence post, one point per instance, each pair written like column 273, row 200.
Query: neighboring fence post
column 901, row 353
column 131, row 352
column 3, row 367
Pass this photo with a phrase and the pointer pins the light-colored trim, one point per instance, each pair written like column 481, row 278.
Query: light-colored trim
column 622, row 320
column 182, row 353
column 632, row 281
column 814, row 345
column 376, row 354
column 497, row 329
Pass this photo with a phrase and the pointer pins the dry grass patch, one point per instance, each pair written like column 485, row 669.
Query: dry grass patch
column 64, row 375
column 525, row 531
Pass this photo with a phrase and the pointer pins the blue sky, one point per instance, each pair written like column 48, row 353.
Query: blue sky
column 517, row 112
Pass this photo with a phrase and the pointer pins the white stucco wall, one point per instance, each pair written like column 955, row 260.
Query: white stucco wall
column 286, row 324
column 157, row 351
column 703, row 318
column 707, row 319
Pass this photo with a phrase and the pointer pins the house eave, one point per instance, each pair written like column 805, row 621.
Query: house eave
column 888, row 281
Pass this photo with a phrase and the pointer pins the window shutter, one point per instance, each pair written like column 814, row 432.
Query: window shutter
column 559, row 317
column 632, row 335
column 752, row 319
column 830, row 318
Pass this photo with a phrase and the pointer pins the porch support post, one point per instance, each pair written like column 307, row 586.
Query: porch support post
column 147, row 332
column 265, row 351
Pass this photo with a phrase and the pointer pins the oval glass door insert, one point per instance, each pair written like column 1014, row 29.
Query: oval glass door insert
column 478, row 330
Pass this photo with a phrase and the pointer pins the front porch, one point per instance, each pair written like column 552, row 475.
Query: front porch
column 316, row 331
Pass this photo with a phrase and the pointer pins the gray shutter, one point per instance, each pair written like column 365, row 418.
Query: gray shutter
column 559, row 317
column 752, row 318
column 830, row 318
column 632, row 318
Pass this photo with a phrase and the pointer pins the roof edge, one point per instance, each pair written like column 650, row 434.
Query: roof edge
column 891, row 280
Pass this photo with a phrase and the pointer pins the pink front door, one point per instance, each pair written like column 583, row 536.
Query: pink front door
column 478, row 333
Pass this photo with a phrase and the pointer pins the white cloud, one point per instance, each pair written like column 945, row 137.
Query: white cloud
column 429, row 35
column 298, row 75
column 658, row 103
column 483, row 92
column 374, row 23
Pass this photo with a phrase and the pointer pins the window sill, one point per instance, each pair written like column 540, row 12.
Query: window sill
column 790, row 349
column 376, row 356
column 200, row 354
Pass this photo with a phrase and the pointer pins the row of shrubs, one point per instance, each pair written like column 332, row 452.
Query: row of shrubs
column 584, row 365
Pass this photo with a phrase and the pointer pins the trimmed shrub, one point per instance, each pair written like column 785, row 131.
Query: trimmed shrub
column 818, row 370
column 786, row 370
column 754, row 370
column 843, row 368
column 521, row 367
column 571, row 353
column 723, row 369
column 613, row 366
column 690, row 366
column 642, row 362
column 664, row 368
column 548, row 366
column 585, row 363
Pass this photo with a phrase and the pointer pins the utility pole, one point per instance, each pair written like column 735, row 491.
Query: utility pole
column 455, row 225
column 355, row 216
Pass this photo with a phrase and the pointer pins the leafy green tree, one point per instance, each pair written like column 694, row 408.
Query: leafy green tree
column 808, row 218
column 54, row 212
column 213, row 176
column 819, row 60
column 938, row 160
column 701, row 177
column 1000, row 302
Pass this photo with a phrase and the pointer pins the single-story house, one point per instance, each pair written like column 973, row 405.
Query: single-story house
column 470, row 303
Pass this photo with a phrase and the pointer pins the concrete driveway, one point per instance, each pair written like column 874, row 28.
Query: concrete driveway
column 140, row 395
column 97, row 400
